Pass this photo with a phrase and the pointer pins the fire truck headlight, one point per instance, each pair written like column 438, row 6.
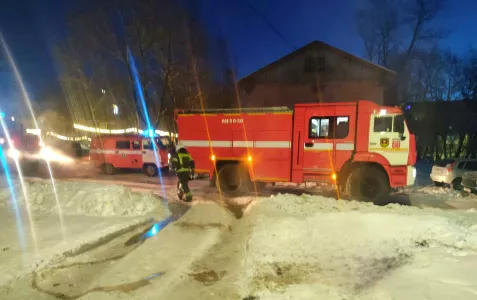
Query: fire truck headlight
column 51, row 155
column 13, row 153
column 41, row 144
column 168, row 156
column 414, row 172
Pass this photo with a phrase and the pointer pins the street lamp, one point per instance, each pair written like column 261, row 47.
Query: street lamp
column 115, row 109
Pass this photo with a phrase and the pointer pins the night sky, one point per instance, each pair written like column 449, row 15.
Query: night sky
column 32, row 26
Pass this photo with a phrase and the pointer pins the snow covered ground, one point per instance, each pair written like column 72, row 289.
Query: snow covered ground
column 284, row 247
column 33, row 234
column 287, row 246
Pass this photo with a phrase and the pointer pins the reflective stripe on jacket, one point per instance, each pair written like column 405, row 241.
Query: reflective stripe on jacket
column 182, row 162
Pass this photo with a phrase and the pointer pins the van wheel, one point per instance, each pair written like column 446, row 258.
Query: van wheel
column 439, row 184
column 367, row 184
column 457, row 183
column 109, row 169
column 150, row 170
column 233, row 180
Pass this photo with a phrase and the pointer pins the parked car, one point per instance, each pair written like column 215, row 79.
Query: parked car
column 469, row 182
column 450, row 171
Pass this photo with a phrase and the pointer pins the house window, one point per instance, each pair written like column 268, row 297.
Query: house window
column 122, row 145
column 314, row 64
column 329, row 127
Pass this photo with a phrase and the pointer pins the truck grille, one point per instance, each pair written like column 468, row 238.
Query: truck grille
column 30, row 143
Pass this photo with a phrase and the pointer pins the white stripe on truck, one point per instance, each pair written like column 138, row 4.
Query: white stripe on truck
column 345, row 146
column 102, row 151
column 242, row 144
column 192, row 143
column 237, row 144
column 320, row 146
column 272, row 144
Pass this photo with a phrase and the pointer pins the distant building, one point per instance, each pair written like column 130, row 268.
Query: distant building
column 317, row 72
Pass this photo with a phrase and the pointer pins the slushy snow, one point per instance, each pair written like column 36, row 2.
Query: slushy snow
column 311, row 247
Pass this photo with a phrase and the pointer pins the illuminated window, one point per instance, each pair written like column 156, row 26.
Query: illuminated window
column 329, row 127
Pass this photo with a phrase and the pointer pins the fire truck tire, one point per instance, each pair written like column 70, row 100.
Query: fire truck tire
column 150, row 170
column 109, row 169
column 233, row 180
column 367, row 184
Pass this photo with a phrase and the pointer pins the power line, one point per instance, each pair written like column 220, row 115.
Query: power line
column 269, row 24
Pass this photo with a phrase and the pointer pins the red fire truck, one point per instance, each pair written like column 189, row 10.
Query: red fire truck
column 114, row 152
column 364, row 148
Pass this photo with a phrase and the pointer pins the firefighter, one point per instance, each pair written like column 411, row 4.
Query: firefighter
column 184, row 166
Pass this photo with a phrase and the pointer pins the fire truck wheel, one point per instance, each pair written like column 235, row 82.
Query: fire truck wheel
column 367, row 184
column 109, row 169
column 150, row 170
column 233, row 180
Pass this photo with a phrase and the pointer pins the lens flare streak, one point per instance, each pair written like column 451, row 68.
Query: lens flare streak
column 20, row 176
column 26, row 98
column 140, row 94
column 18, row 217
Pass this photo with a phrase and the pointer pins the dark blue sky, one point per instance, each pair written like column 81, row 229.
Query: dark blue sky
column 32, row 26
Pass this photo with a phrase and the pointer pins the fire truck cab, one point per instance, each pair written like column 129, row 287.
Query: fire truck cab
column 114, row 152
column 20, row 146
column 364, row 148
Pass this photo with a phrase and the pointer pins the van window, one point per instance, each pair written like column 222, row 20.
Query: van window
column 461, row 165
column 471, row 166
column 122, row 145
column 136, row 145
column 147, row 145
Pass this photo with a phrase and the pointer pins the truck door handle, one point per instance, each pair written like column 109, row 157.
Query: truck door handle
column 309, row 145
column 116, row 152
column 143, row 152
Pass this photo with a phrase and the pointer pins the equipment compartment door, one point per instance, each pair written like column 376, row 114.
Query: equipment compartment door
column 318, row 155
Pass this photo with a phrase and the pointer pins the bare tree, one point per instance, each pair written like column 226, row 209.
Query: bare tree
column 467, row 85
column 379, row 25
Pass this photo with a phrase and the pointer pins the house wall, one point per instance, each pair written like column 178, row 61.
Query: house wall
column 273, row 94
column 340, row 79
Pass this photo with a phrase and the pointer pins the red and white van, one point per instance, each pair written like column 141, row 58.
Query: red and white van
column 114, row 152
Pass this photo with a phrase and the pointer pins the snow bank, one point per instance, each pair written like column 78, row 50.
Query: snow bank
column 318, row 248
column 90, row 212
column 87, row 199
